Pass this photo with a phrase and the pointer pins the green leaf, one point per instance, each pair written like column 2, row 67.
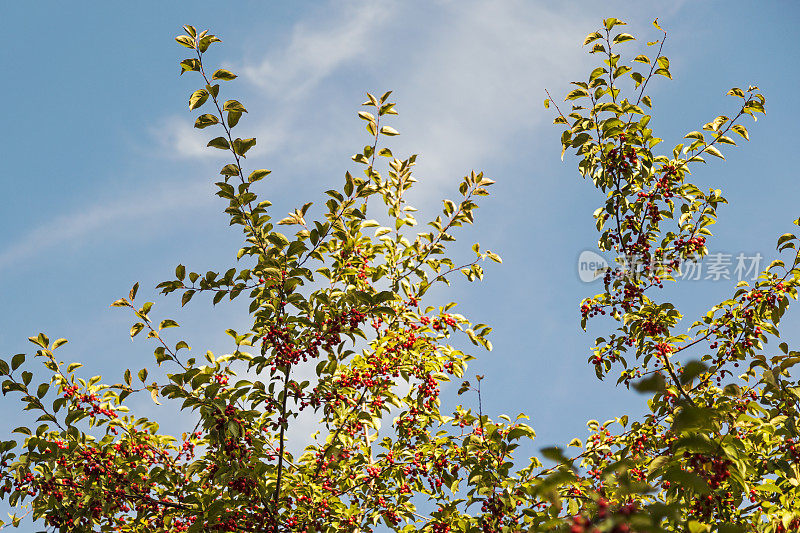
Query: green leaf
column 554, row 453
column 133, row 291
column 219, row 142
column 741, row 130
column 687, row 480
column 592, row 37
column 622, row 37
column 698, row 527
column 494, row 257
column 205, row 120
column 186, row 297
column 40, row 340
column 713, row 151
column 257, row 175
column 692, row 418
column 241, row 146
column 167, row 323
column 230, row 170
column 223, row 74
column 198, row 98
column 17, row 360
column 768, row 487
column 691, row 370
column 190, row 65
column 653, row 383
column 580, row 92
column 233, row 118
column 207, row 41
column 663, row 72
column 185, row 40
column 389, row 131
column 136, row 328
column 59, row 342
column 234, row 105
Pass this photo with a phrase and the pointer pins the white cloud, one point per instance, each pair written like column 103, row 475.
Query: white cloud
column 318, row 47
column 75, row 227
column 177, row 136
column 480, row 82
column 469, row 77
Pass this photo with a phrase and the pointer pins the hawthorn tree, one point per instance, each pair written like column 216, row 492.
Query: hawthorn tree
column 344, row 298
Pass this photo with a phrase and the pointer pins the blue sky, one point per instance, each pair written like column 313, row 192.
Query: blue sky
column 105, row 182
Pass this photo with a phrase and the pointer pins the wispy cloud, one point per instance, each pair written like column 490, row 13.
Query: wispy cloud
column 75, row 227
column 318, row 47
column 479, row 82
column 468, row 76
column 179, row 139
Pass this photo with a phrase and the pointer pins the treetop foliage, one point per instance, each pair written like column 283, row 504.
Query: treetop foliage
column 343, row 327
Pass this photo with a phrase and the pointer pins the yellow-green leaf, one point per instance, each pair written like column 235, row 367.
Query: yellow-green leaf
column 622, row 37
column 741, row 130
column 205, row 120
column 185, row 40
column 580, row 92
column 258, row 175
column 591, row 37
column 223, row 74
column 198, row 98
column 219, row 142
column 713, row 151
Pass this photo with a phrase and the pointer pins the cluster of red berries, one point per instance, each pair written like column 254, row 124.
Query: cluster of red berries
column 715, row 471
column 689, row 246
column 498, row 516
column 328, row 335
column 92, row 400
column 444, row 320
column 590, row 308
column 620, row 159
column 98, row 481
column 584, row 524
column 652, row 327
